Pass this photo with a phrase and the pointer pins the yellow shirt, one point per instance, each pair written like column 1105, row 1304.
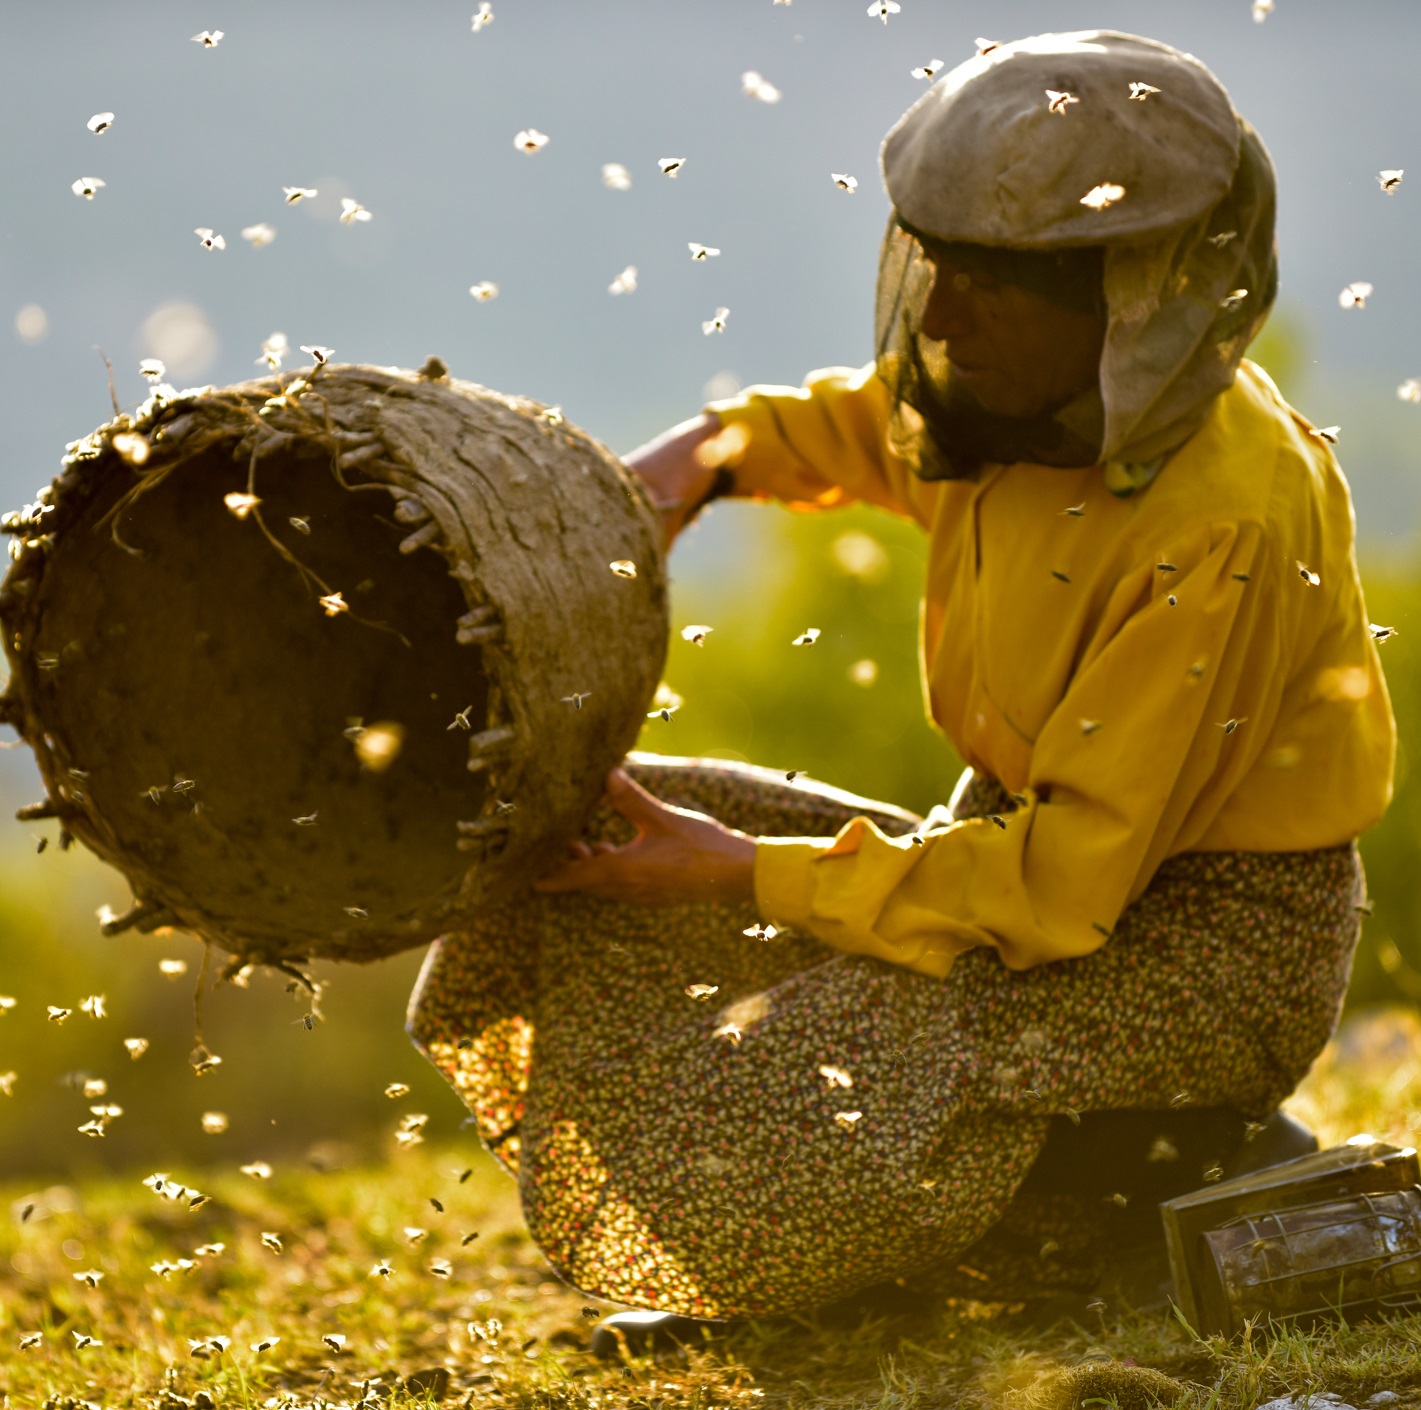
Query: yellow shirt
column 1185, row 669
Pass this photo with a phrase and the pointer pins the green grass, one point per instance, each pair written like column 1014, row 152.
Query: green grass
column 503, row 1331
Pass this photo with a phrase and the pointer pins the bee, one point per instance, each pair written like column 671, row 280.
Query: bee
column 1222, row 238
column 530, row 140
column 807, row 637
column 701, row 991
column 1099, row 198
column 135, row 1047
column 257, row 1170
column 848, row 1119
column 1060, row 576
column 730, row 1032
column 1242, row 577
column 94, row 1007
column 881, row 9
column 591, row 1314
column 31, row 1339
column 1355, row 295
column 792, row 774
column 208, row 38
column 753, row 85
column 1233, row 301
column 615, row 177
column 575, row 699
column 484, row 290
column 414, row 1235
column 468, row 1239
column 1097, row 1306
column 86, row 186
column 844, row 181
column 396, row 1090
column 307, row 820
column 623, row 567
column 1330, row 434
column 1308, row 576
column 209, row 239
column 334, row 1340
column 265, row 1344
column 483, row 16
column 381, row 1270
column 1140, row 92
column 1089, row 727
column 928, row 70
column 1057, row 102
column 1387, row 180
column 438, row 1208
column 701, row 252
column 696, row 634
column 260, row 235
column 441, row 1268
column 760, row 932
column 1410, row 390
column 1262, row 9
column 716, row 324
column 351, row 211
column 836, row 1076
column 1101, row 929
column 461, row 720
column 1000, row 821
column 1172, row 600
column 1381, row 633
column 1180, row 1099
column 58, row 1015
column 294, row 195
column 318, row 353
column 671, row 166
column 81, row 1340
column 1075, row 511
column 625, row 282
column 101, row 122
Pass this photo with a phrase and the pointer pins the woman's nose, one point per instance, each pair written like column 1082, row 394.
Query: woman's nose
column 948, row 311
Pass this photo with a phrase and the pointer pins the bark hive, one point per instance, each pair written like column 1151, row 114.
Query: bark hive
column 323, row 724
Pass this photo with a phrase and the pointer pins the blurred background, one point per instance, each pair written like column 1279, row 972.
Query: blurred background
column 410, row 111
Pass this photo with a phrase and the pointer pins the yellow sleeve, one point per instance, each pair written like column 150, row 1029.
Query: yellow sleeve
column 821, row 445
column 1104, row 803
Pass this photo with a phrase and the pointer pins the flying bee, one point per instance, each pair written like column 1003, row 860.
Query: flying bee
column 1387, row 180
column 294, row 195
column 701, row 991
column 271, row 1241
column 530, row 140
column 575, row 699
column 484, row 290
column 1308, row 576
column 1140, row 92
column 1381, row 633
column 483, row 16
column 381, row 1270
column 1330, row 434
column 701, row 252
column 881, row 9
column 259, row 236
column 1000, row 821
column 209, row 239
column 351, row 211
column 848, row 1119
column 1172, row 600
column 208, row 38
column 1060, row 576
column 671, row 166
column 615, row 177
column 928, row 70
column 844, row 181
column 101, row 122
column 306, row 820
column 760, row 932
column 836, row 1076
column 625, row 282
column 696, row 634
column 1233, row 301
column 468, row 1239
column 1355, row 295
column 807, row 637
column 623, row 567
column 31, row 1339
column 461, row 720
column 86, row 186
column 716, row 324
column 1057, row 102
column 335, row 1341
column 1075, row 511
column 1089, row 727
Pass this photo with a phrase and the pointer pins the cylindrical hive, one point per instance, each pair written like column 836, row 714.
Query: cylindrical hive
column 320, row 662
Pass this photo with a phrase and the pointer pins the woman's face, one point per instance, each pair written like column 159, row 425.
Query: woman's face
column 1018, row 353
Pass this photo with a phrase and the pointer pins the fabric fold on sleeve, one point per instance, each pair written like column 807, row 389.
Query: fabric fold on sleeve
column 1178, row 696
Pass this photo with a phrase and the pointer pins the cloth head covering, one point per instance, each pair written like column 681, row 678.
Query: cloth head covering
column 1184, row 230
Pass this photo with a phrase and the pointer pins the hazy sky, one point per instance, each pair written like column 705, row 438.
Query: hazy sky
column 406, row 109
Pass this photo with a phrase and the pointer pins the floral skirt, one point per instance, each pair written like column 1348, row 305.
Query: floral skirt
column 804, row 1123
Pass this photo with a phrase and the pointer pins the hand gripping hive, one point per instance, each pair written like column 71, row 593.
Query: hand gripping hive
column 383, row 695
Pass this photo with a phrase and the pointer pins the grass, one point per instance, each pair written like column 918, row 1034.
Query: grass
column 491, row 1325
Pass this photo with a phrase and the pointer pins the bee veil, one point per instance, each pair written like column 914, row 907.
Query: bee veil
column 1146, row 193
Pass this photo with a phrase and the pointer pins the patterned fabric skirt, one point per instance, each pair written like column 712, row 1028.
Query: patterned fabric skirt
column 819, row 1122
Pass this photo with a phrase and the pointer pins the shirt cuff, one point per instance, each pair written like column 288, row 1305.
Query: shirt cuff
column 784, row 880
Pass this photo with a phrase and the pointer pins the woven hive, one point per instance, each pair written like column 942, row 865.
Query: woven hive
column 320, row 724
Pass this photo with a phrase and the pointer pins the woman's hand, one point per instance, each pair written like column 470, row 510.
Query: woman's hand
column 676, row 471
column 676, row 856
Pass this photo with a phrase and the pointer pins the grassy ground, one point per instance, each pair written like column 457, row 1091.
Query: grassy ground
column 244, row 1300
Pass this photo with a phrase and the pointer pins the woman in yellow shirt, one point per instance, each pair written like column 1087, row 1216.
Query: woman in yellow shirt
column 1142, row 629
